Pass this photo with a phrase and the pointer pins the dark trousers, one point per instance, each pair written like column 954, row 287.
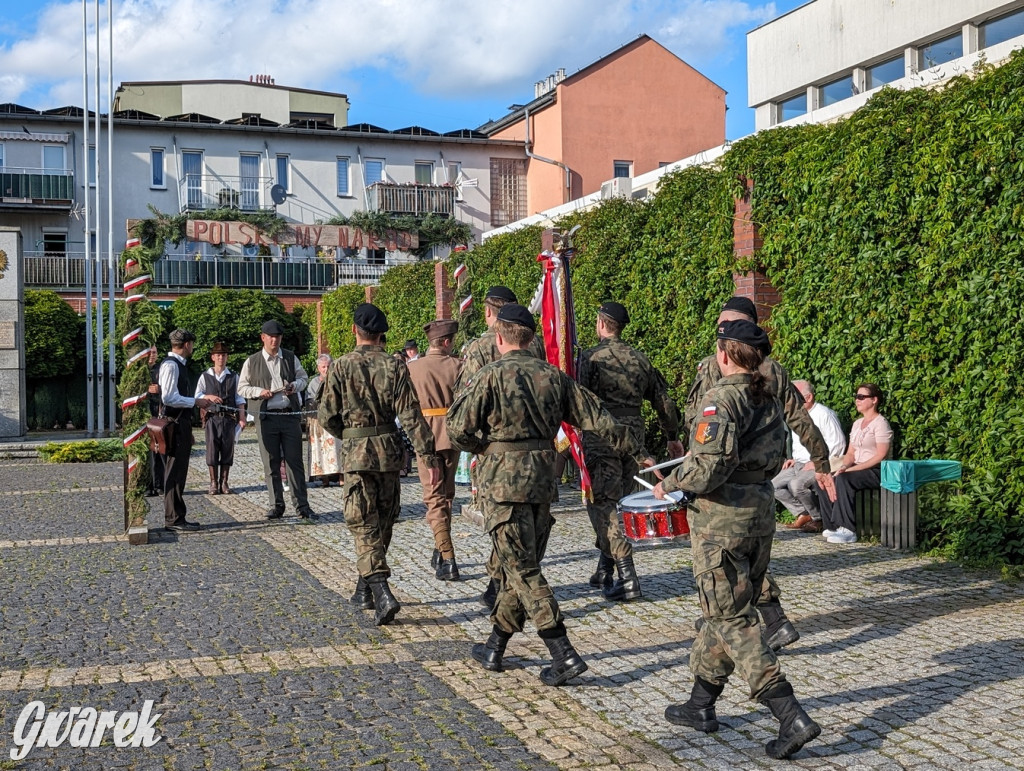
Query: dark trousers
column 156, row 472
column 840, row 513
column 175, row 473
column 220, row 441
column 280, row 438
column 372, row 503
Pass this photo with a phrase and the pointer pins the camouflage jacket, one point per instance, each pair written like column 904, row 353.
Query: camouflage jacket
column 735, row 450
column 797, row 417
column 478, row 353
column 520, row 398
column 368, row 387
column 622, row 377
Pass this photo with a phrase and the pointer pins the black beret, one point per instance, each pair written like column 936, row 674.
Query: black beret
column 371, row 318
column 181, row 336
column 272, row 327
column 517, row 314
column 742, row 305
column 501, row 293
column 745, row 332
column 410, row 343
column 615, row 311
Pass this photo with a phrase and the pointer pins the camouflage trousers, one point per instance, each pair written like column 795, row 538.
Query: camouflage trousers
column 519, row 545
column 611, row 478
column 371, row 506
column 729, row 572
column 438, row 499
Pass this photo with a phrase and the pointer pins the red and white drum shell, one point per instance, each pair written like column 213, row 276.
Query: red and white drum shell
column 645, row 519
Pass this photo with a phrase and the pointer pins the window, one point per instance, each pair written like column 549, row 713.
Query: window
column 455, row 178
column 53, row 161
column 192, row 171
column 793, row 108
column 55, row 243
column 622, row 169
column 373, row 171
column 1, row 155
column 942, row 51
column 343, row 177
column 92, row 166
column 424, row 173
column 508, row 190
column 885, row 72
column 837, row 90
column 282, row 171
column 156, row 167
column 663, row 164
column 249, row 174
column 995, row 31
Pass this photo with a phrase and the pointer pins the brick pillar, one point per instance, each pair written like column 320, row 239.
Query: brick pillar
column 444, row 294
column 747, row 242
column 370, row 293
column 321, row 334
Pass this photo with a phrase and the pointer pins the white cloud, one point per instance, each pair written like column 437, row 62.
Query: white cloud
column 441, row 47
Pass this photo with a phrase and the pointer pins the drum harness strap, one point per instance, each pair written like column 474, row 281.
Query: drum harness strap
column 520, row 445
column 754, row 477
column 361, row 433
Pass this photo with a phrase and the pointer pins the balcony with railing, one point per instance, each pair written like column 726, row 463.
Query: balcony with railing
column 412, row 199
column 216, row 191
column 27, row 187
column 67, row 272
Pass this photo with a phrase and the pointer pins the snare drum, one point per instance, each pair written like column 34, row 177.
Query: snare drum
column 645, row 519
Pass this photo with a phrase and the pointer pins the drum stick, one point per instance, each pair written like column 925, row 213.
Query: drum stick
column 649, row 486
column 666, row 464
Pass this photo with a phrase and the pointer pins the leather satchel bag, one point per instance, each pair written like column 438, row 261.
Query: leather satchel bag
column 161, row 435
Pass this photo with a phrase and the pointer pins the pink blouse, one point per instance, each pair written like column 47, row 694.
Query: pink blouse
column 864, row 439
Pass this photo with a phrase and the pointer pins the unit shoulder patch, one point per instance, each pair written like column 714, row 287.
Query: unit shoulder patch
column 706, row 432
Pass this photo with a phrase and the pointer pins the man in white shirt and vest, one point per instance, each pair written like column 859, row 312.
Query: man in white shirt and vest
column 272, row 381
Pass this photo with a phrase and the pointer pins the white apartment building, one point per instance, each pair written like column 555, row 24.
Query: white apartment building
column 306, row 169
column 824, row 59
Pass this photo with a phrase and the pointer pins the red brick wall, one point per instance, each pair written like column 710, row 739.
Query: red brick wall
column 747, row 242
column 444, row 294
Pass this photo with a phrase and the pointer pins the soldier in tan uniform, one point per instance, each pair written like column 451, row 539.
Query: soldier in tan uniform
column 779, row 631
column 622, row 378
column 509, row 414
column 433, row 376
column 365, row 390
column 476, row 355
column 737, row 446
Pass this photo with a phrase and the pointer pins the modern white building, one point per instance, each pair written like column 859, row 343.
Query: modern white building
column 824, row 59
column 306, row 169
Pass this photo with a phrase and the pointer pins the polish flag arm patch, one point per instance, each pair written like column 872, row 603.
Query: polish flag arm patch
column 710, row 410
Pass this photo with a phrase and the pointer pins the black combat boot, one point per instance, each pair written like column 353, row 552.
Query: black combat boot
column 385, row 606
column 490, row 653
column 778, row 631
column 363, row 597
column 435, row 559
column 628, row 585
column 566, row 663
column 490, row 595
column 796, row 727
column 605, row 573
column 699, row 711
column 447, row 570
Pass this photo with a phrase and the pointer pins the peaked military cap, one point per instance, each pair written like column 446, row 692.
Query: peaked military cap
column 615, row 311
column 501, row 293
column 371, row 318
column 440, row 328
column 745, row 332
column 517, row 314
column 742, row 305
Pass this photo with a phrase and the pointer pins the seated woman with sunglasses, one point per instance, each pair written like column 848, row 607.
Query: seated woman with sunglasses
column 860, row 468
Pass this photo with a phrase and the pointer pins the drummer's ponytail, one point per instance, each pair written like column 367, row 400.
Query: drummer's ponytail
column 749, row 358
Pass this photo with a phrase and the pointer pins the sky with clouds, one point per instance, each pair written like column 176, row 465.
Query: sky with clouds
column 443, row 64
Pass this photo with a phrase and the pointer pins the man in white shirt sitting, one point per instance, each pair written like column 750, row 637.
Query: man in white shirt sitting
column 794, row 485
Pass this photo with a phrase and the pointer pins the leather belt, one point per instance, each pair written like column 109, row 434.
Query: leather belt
column 747, row 477
column 435, row 412
column 521, row 445
column 625, row 412
column 283, row 409
column 362, row 433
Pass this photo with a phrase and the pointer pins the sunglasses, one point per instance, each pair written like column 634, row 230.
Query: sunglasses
column 858, row 397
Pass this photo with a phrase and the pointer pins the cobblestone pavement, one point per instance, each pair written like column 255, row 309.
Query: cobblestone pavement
column 242, row 635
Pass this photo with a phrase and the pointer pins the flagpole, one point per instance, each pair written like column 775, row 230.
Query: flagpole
column 100, row 376
column 111, row 264
column 90, row 383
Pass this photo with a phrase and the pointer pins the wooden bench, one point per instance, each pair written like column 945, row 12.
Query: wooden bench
column 889, row 516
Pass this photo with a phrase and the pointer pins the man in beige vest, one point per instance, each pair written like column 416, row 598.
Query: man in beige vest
column 433, row 376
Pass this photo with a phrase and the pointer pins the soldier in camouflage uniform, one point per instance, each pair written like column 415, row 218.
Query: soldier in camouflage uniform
column 779, row 631
column 508, row 414
column 737, row 446
column 363, row 393
column 476, row 355
column 621, row 377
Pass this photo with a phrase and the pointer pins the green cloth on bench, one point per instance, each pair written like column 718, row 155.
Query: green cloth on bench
column 906, row 476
